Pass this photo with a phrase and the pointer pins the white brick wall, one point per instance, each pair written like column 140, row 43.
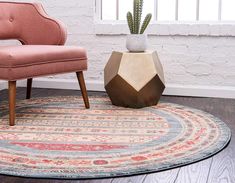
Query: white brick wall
column 203, row 61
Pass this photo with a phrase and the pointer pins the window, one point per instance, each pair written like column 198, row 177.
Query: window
column 172, row 10
column 117, row 9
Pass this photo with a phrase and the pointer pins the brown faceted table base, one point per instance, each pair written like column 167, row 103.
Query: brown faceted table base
column 134, row 80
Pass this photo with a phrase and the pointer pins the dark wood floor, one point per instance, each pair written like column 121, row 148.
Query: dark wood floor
column 218, row 169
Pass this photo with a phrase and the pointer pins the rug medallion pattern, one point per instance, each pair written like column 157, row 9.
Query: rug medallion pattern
column 57, row 138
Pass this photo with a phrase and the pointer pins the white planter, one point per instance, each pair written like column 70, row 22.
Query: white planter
column 136, row 42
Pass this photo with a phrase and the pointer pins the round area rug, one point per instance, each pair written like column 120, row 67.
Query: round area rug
column 57, row 138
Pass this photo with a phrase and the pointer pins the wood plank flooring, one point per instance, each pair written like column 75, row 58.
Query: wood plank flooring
column 218, row 169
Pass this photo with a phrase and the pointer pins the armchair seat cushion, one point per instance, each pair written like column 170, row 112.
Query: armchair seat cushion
column 27, row 61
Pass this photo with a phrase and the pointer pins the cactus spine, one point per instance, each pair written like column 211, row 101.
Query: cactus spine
column 145, row 23
column 130, row 22
column 137, row 10
column 134, row 20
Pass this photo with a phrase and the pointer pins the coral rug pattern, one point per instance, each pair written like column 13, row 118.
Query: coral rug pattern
column 57, row 138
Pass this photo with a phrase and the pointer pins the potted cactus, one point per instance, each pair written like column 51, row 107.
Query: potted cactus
column 137, row 40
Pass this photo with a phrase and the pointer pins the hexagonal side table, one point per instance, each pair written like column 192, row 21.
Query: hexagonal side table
column 134, row 80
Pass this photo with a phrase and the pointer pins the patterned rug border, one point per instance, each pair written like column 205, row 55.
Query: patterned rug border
column 225, row 139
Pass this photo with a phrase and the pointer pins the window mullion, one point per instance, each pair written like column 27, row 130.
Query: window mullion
column 117, row 9
column 176, row 10
column 220, row 10
column 198, row 10
column 101, row 9
column 156, row 10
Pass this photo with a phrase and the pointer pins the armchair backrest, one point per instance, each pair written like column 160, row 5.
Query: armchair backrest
column 29, row 23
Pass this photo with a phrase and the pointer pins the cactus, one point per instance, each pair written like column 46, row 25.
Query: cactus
column 145, row 23
column 134, row 20
column 137, row 11
column 130, row 22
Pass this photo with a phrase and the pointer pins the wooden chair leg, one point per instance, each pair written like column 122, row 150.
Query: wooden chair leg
column 83, row 88
column 29, row 88
column 12, row 101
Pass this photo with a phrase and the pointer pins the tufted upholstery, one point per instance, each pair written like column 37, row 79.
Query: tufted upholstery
column 42, row 52
column 28, row 23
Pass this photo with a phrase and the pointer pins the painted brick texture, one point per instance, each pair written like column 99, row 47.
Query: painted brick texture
column 187, row 60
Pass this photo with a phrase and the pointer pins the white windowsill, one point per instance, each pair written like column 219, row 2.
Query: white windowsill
column 170, row 28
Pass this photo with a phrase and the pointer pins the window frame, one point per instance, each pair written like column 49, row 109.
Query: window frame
column 165, row 28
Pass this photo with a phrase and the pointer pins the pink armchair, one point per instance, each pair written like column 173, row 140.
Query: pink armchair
column 42, row 52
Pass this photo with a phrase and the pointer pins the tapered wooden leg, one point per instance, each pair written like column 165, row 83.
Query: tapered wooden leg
column 12, row 101
column 83, row 88
column 29, row 88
